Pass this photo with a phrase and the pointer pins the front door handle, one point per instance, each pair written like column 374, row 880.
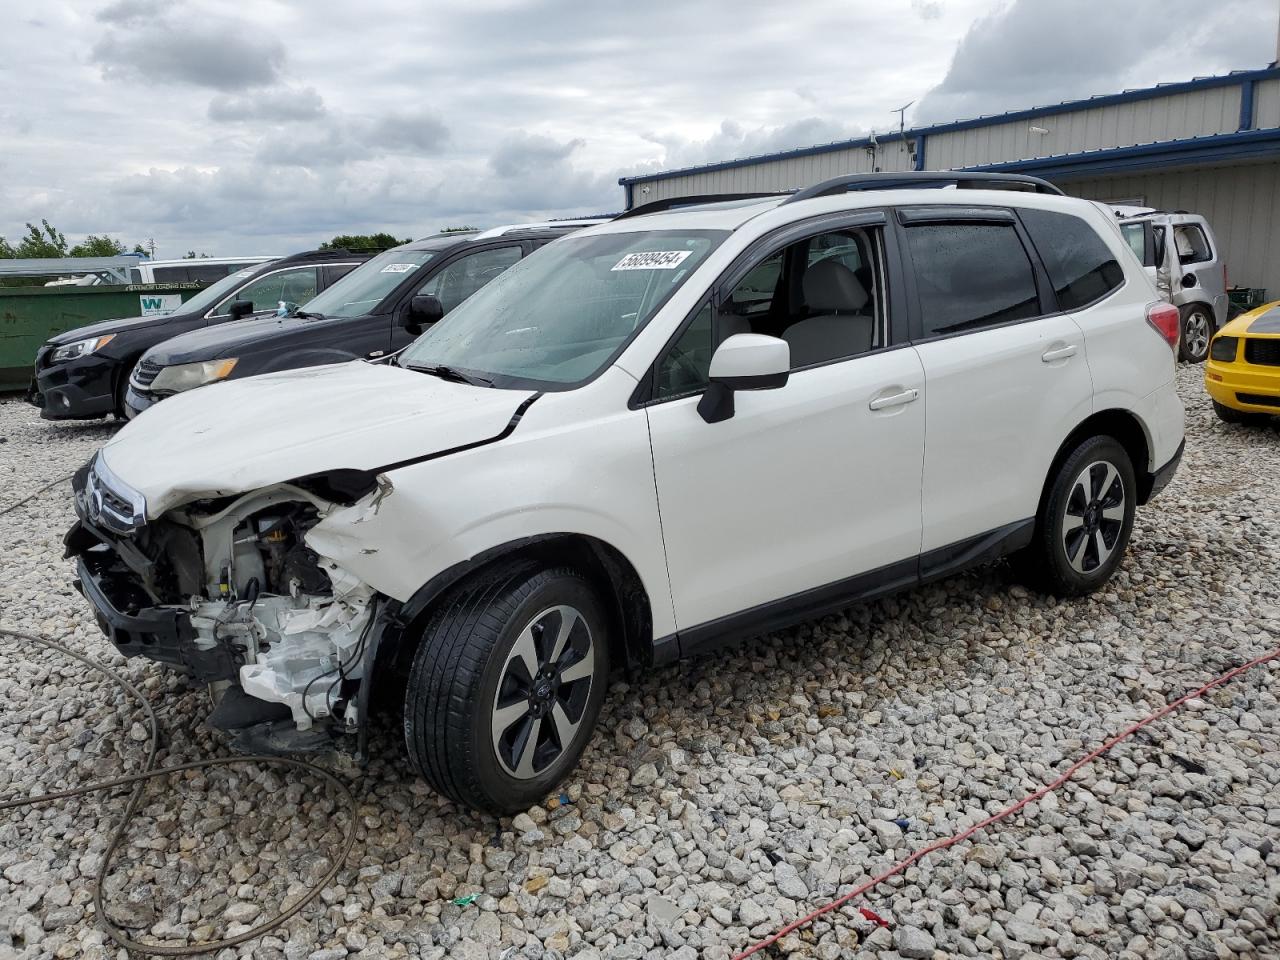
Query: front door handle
column 1059, row 353
column 883, row 402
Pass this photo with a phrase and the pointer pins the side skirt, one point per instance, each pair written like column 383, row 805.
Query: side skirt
column 820, row 601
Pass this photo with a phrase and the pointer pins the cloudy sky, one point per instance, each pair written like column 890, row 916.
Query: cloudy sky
column 266, row 127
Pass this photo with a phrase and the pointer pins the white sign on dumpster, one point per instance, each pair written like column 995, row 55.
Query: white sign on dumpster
column 158, row 304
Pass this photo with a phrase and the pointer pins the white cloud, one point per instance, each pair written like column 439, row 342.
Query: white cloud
column 270, row 126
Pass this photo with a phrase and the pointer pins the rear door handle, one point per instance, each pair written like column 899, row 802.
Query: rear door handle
column 374, row 354
column 883, row 402
column 1059, row 353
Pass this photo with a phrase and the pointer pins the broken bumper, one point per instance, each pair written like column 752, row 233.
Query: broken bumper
column 162, row 634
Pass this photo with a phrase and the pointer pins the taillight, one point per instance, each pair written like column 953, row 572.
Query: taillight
column 1164, row 317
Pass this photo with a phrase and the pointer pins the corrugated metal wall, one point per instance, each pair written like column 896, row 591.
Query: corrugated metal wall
column 1241, row 203
column 1266, row 104
column 786, row 174
column 1196, row 113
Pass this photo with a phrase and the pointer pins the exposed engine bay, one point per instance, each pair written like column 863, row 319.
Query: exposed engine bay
column 229, row 591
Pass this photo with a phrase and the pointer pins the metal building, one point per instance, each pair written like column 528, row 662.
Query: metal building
column 1210, row 145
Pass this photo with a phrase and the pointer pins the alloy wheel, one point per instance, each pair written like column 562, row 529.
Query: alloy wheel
column 1196, row 333
column 1093, row 517
column 543, row 691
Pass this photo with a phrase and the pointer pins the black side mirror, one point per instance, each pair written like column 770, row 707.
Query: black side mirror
column 1188, row 281
column 424, row 310
column 239, row 308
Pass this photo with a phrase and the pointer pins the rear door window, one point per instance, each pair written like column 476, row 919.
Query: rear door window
column 970, row 276
column 1193, row 245
column 1080, row 265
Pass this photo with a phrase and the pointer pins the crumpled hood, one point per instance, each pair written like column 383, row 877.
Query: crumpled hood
column 233, row 437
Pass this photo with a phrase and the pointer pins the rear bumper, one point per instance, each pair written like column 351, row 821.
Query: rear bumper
column 1161, row 477
column 77, row 390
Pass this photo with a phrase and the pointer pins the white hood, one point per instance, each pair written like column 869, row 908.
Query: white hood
column 234, row 437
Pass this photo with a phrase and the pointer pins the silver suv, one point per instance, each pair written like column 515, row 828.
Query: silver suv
column 1182, row 256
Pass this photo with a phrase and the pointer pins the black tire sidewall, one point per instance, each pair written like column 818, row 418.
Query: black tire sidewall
column 1065, row 578
column 1229, row 414
column 499, row 787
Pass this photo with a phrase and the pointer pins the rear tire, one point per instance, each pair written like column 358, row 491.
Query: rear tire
column 1197, row 330
column 1084, row 522
column 506, row 686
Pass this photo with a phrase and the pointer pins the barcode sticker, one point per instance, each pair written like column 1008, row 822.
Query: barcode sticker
column 655, row 260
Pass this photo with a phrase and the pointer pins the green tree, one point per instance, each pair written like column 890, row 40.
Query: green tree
column 97, row 246
column 46, row 242
column 192, row 255
column 458, row 229
column 362, row 241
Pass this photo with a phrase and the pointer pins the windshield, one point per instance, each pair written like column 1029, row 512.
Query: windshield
column 558, row 316
column 212, row 294
column 361, row 290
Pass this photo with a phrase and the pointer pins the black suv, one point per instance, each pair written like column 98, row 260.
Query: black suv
column 375, row 311
column 83, row 373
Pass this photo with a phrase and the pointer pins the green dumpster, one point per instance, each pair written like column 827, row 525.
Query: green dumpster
column 1246, row 298
column 31, row 315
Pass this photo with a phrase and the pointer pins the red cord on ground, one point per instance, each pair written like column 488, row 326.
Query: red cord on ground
column 1008, row 811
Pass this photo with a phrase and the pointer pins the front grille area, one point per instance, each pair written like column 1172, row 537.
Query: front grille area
column 145, row 373
column 1258, row 399
column 1263, row 352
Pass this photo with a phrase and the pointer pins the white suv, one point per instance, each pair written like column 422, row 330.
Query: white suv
column 648, row 438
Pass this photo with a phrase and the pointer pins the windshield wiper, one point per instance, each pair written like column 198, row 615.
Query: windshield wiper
column 445, row 372
column 308, row 315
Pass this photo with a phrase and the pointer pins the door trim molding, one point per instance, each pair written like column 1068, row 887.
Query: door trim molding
column 820, row 601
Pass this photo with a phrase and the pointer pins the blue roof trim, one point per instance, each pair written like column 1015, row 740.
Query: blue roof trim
column 1244, row 145
column 1240, row 77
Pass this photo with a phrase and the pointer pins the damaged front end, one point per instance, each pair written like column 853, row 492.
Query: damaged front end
column 227, row 590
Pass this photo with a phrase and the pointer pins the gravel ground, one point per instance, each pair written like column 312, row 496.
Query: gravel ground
column 725, row 797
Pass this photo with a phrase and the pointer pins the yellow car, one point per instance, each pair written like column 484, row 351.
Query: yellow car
column 1242, row 374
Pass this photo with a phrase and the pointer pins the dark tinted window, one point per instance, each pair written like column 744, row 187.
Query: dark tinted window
column 970, row 276
column 208, row 272
column 1081, row 267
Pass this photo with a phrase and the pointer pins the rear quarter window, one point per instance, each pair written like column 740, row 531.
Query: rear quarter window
column 1080, row 265
column 1193, row 245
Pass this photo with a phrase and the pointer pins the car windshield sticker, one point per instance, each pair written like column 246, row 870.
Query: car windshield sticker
column 656, row 260
column 244, row 273
column 398, row 267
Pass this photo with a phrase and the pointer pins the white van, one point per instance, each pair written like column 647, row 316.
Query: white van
column 198, row 269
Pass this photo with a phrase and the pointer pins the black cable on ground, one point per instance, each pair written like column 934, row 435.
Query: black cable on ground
column 35, row 493
column 151, row 772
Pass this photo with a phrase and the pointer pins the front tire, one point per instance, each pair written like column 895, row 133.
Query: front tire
column 506, row 686
column 1197, row 331
column 1231, row 415
column 1085, row 520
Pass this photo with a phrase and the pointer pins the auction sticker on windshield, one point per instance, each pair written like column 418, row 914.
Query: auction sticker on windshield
column 655, row 260
column 399, row 267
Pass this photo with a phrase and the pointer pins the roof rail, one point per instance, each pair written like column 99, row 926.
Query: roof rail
column 670, row 203
column 924, row 178
column 576, row 223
